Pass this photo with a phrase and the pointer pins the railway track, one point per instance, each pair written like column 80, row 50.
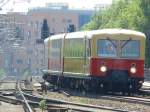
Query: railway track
column 7, row 95
column 90, row 108
column 138, row 100
column 71, row 106
column 16, row 91
column 107, row 97
column 25, row 103
column 19, row 98
column 131, row 99
column 53, row 104
column 141, row 98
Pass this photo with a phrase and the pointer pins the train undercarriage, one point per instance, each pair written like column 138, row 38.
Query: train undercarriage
column 95, row 84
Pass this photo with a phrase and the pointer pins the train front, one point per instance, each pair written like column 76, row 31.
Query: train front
column 118, row 59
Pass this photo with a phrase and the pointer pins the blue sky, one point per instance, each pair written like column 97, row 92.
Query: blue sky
column 23, row 5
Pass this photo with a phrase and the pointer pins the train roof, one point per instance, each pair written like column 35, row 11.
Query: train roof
column 89, row 34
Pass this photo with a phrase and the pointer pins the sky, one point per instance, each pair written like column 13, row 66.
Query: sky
column 24, row 5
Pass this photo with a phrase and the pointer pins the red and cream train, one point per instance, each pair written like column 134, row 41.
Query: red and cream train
column 108, row 59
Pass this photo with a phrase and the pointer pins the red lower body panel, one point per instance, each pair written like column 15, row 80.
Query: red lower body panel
column 116, row 64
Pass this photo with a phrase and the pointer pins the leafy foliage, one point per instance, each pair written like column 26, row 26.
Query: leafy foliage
column 127, row 14
column 42, row 105
column 145, row 5
column 121, row 14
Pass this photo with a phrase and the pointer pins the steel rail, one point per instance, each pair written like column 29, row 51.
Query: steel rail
column 138, row 100
column 70, row 105
column 10, row 100
column 24, row 99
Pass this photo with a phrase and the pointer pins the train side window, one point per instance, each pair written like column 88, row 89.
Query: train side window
column 56, row 47
column 74, row 47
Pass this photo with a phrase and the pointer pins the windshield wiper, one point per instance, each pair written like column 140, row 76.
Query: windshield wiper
column 125, row 43
column 112, row 42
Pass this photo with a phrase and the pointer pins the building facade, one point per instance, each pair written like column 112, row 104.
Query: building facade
column 30, row 55
column 59, row 17
column 11, row 36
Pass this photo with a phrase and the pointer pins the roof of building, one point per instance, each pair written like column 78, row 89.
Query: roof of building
column 60, row 9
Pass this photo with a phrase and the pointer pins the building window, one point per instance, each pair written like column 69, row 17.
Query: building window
column 36, row 33
column 29, row 34
column 65, row 29
column 19, row 61
column 30, row 23
column 36, row 71
column 42, row 62
column 29, row 61
column 69, row 21
column 37, row 61
column 29, row 51
column 63, row 20
column 36, row 53
column 37, row 24
column 53, row 20
column 42, row 51
column 53, row 30
column 41, row 24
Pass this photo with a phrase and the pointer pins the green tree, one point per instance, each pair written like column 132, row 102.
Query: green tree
column 121, row 14
column 44, row 30
column 145, row 5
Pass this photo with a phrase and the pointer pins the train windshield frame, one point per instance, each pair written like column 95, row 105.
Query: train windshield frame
column 118, row 48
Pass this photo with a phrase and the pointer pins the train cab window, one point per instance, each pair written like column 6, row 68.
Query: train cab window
column 131, row 48
column 106, row 48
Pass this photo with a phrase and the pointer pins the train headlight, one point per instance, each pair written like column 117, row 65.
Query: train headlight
column 103, row 69
column 133, row 70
